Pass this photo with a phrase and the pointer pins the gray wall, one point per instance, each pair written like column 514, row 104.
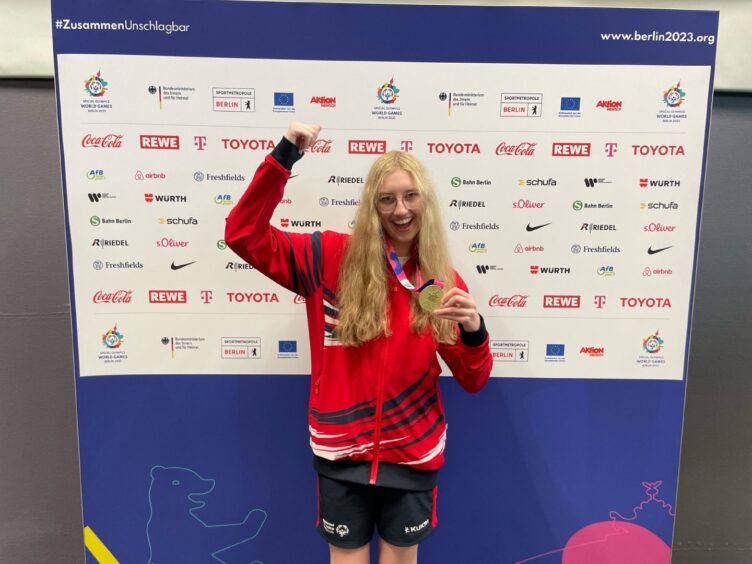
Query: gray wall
column 40, row 512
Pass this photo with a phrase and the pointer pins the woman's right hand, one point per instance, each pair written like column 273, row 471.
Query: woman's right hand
column 302, row 135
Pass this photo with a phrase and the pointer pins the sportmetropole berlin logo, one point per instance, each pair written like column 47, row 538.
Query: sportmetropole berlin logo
column 96, row 85
column 388, row 92
column 674, row 96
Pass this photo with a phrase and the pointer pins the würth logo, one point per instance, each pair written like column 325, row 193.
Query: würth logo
column 168, row 296
column 570, row 150
column 366, row 147
column 160, row 141
column 561, row 301
column 285, row 222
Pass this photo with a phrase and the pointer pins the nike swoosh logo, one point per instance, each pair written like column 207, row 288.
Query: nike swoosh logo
column 536, row 227
column 652, row 251
column 179, row 266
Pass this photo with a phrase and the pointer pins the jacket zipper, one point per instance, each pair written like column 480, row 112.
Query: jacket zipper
column 379, row 403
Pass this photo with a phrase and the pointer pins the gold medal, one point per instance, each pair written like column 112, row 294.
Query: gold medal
column 430, row 297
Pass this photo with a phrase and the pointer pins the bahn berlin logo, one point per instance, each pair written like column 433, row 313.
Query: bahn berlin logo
column 171, row 142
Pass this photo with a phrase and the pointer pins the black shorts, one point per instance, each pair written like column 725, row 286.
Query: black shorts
column 348, row 511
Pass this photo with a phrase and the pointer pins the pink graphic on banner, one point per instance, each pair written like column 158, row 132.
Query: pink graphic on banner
column 618, row 541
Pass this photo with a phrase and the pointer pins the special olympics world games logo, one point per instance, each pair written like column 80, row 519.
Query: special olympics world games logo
column 388, row 92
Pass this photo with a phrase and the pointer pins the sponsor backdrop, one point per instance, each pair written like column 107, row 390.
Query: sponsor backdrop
column 569, row 165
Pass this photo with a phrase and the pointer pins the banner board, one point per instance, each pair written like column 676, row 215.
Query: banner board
column 568, row 149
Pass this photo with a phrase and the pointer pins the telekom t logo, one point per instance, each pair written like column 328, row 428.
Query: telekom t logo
column 599, row 301
column 207, row 296
column 611, row 149
column 406, row 146
column 199, row 141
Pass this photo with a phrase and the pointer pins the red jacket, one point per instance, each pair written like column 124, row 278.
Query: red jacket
column 375, row 414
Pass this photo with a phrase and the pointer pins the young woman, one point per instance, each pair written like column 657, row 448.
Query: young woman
column 381, row 303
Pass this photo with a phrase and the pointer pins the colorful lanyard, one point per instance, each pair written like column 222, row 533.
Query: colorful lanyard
column 399, row 272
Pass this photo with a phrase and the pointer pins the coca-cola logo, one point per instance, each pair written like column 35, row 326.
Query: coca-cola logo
column 523, row 149
column 321, row 146
column 516, row 300
column 116, row 297
column 109, row 141
column 298, row 299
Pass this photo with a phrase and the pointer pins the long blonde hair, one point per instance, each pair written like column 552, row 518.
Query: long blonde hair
column 362, row 295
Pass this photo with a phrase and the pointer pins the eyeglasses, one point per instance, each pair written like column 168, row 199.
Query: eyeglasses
column 387, row 202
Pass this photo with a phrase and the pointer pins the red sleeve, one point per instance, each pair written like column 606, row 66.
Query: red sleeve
column 470, row 364
column 293, row 260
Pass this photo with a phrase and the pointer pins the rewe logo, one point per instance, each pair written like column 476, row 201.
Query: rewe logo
column 366, row 147
column 160, row 142
column 570, row 302
column 570, row 150
column 168, row 296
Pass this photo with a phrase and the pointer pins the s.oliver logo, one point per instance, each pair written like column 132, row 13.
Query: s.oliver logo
column 570, row 150
column 171, row 142
column 253, row 297
column 109, row 141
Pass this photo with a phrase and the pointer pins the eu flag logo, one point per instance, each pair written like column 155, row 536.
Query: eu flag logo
column 570, row 104
column 554, row 350
column 284, row 99
column 288, row 346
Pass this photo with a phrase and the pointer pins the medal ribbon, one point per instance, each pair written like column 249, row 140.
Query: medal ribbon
column 399, row 272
